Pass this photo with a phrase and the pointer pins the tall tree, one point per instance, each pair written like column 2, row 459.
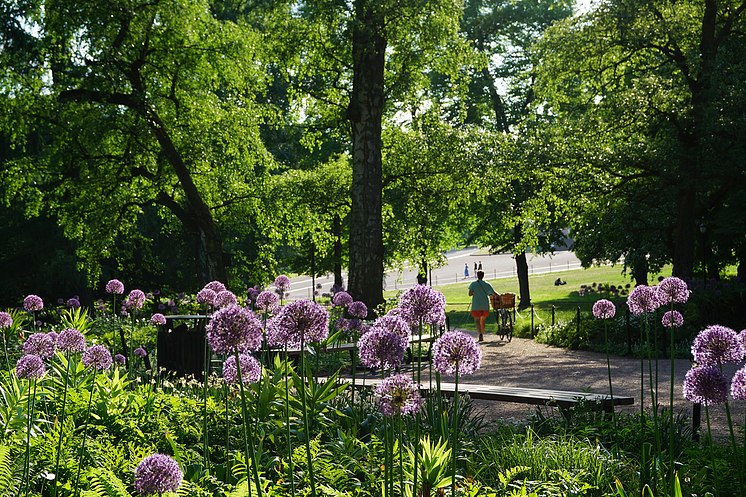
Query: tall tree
column 359, row 62
column 139, row 104
column 651, row 94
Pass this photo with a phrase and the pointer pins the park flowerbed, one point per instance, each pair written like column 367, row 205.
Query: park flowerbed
column 86, row 410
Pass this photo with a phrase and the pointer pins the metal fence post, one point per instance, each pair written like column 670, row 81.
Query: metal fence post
column 532, row 321
column 578, row 320
column 554, row 314
column 629, row 335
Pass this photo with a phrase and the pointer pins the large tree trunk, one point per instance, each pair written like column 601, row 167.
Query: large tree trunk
column 365, row 112
column 337, row 231
column 683, row 252
column 522, row 268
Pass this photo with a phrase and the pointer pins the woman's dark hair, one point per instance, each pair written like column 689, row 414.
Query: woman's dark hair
column 480, row 275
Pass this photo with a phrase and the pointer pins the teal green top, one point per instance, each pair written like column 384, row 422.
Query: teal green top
column 480, row 301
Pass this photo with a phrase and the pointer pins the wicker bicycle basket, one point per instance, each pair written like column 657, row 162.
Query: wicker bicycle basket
column 502, row 300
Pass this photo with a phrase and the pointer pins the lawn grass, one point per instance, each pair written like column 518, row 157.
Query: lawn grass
column 544, row 295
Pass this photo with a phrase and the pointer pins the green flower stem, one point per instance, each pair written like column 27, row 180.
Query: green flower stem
column 416, row 452
column 419, row 353
column 309, row 459
column 608, row 369
column 206, row 374
column 85, row 433
column 27, row 458
column 670, row 413
column 61, row 420
column 454, row 444
column 286, row 365
column 712, row 450
column 248, row 442
column 400, row 436
column 654, row 399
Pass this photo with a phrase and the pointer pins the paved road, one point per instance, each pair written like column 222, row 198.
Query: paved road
column 494, row 266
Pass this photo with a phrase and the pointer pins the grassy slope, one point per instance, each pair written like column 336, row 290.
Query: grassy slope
column 544, row 294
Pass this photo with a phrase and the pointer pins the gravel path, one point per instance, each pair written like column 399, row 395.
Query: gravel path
column 525, row 363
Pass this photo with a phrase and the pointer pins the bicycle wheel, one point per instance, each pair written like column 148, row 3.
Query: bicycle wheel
column 509, row 331
column 501, row 324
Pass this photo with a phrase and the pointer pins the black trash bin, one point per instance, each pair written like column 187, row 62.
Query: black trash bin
column 181, row 345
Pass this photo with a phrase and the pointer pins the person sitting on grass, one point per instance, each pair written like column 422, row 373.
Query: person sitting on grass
column 480, row 292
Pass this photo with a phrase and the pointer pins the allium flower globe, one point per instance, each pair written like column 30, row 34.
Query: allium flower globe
column 158, row 319
column 33, row 303
column 71, row 340
column 267, row 301
column 643, row 299
column 423, row 304
column 705, row 385
column 604, row 309
column 225, row 298
column 456, row 351
column 716, row 345
column 140, row 352
column 30, row 367
column 72, row 303
column 54, row 336
column 251, row 370
column 120, row 359
column 136, row 299
column 379, row 347
column 115, row 287
column 6, row 320
column 215, row 286
column 39, row 344
column 234, row 329
column 673, row 290
column 157, row 474
column 301, row 321
column 282, row 282
column 206, row 296
column 342, row 299
column 395, row 324
column 672, row 319
column 398, row 395
column 357, row 310
column 738, row 384
column 97, row 357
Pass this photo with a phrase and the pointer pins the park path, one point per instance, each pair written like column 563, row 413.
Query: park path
column 525, row 363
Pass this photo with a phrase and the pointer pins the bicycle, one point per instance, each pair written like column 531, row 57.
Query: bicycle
column 502, row 305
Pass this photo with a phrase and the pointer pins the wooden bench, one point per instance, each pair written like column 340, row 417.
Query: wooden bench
column 352, row 347
column 562, row 399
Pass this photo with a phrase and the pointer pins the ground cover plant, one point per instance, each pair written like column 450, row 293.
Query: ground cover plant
column 87, row 410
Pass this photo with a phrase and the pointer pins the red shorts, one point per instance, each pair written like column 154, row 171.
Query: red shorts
column 479, row 314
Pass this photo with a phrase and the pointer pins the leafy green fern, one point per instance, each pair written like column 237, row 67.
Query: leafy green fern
column 6, row 471
column 104, row 483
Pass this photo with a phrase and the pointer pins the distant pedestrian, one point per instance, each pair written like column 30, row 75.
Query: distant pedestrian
column 475, row 269
column 480, row 266
column 480, row 292
column 466, row 271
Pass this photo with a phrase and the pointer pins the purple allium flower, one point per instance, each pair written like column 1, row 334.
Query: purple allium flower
column 120, row 359
column 60, row 301
column 643, row 299
column 300, row 321
column 742, row 337
column 738, row 384
column 267, row 301
column 161, row 306
column 33, row 303
column 358, row 310
column 157, row 474
column 39, row 344
column 140, row 352
column 115, row 287
column 98, row 357
column 604, row 309
column 705, row 385
column 398, row 394
column 206, row 296
column 342, row 324
column 215, row 286
column 171, row 303
column 456, row 349
column 251, row 370
column 253, row 292
column 54, row 336
column 717, row 344
column 672, row 319
column 71, row 340
column 395, row 324
column 380, row 347
column 225, row 298
column 30, row 367
column 174, row 310
column 136, row 299
column 423, row 304
column 72, row 303
column 6, row 321
column 354, row 324
column 282, row 282
column 158, row 319
column 342, row 299
column 234, row 328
